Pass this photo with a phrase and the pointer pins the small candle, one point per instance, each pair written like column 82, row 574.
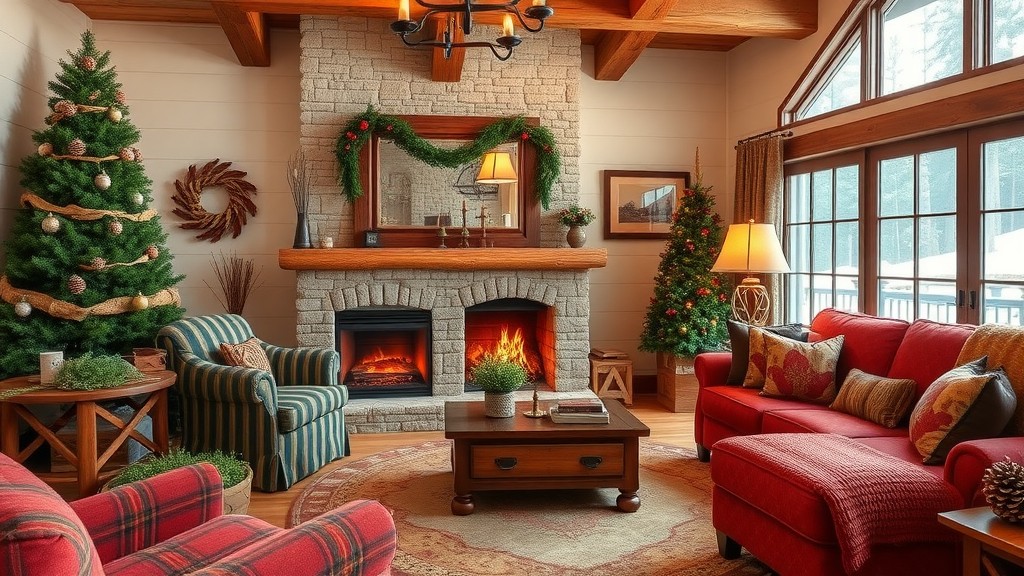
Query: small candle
column 506, row 220
column 506, row 26
column 539, row 2
column 439, row 224
column 403, row 9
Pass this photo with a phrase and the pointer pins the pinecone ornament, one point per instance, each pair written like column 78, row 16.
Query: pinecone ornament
column 88, row 63
column 45, row 149
column 153, row 252
column 76, row 284
column 65, row 108
column 115, row 227
column 138, row 154
column 98, row 263
column 76, row 147
column 94, row 95
column 119, row 97
column 1003, row 485
column 127, row 154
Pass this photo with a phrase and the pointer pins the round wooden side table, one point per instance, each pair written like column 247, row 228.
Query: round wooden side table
column 85, row 409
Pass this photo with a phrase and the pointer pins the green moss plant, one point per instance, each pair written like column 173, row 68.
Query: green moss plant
column 232, row 470
column 88, row 372
column 498, row 376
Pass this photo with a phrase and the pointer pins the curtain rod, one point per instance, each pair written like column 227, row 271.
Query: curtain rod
column 783, row 133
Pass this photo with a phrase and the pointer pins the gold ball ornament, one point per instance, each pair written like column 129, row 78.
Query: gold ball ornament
column 114, row 115
column 23, row 308
column 102, row 181
column 153, row 252
column 51, row 224
column 76, row 147
column 127, row 154
column 65, row 108
column 138, row 198
column 76, row 284
column 88, row 63
column 140, row 302
column 45, row 149
column 115, row 227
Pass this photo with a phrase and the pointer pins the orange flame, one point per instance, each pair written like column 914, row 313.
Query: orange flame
column 509, row 348
column 382, row 363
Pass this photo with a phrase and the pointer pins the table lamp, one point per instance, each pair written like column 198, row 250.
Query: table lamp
column 751, row 248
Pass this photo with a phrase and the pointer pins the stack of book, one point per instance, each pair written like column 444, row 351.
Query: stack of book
column 579, row 411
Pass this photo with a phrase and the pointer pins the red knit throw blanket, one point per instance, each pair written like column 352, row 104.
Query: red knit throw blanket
column 874, row 498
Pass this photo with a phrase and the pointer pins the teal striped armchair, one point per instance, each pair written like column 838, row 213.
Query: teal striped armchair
column 287, row 423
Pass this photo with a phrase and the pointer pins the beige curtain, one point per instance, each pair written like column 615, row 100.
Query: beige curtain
column 759, row 197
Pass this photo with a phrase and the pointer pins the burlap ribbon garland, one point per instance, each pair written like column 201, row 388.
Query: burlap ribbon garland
column 69, row 311
column 76, row 212
column 57, row 116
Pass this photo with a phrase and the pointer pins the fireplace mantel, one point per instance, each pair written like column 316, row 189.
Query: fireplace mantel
column 442, row 258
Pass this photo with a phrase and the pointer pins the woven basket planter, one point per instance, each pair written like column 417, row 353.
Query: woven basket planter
column 500, row 405
column 236, row 498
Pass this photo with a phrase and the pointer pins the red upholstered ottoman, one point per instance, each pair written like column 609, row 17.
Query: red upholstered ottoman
column 823, row 504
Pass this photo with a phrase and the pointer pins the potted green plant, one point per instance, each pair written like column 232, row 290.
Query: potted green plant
column 576, row 218
column 499, row 379
column 234, row 473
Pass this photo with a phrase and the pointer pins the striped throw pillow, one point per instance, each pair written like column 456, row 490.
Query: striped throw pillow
column 884, row 401
column 248, row 354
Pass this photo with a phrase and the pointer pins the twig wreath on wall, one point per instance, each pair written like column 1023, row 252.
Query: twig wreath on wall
column 189, row 191
column 357, row 133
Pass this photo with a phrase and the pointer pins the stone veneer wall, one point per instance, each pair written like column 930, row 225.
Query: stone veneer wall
column 348, row 63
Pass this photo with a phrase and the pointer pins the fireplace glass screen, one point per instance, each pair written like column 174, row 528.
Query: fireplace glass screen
column 384, row 351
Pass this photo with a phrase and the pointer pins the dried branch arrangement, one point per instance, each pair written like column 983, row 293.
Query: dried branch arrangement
column 298, row 181
column 237, row 277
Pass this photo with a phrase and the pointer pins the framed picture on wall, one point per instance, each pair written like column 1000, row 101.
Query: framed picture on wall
column 640, row 204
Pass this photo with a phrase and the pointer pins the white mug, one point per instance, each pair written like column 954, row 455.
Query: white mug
column 49, row 363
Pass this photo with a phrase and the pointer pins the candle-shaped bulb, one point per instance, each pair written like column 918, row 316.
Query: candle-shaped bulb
column 403, row 9
column 540, row 2
column 506, row 26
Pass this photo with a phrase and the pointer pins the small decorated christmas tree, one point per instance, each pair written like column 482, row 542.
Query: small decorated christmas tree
column 690, row 305
column 86, row 266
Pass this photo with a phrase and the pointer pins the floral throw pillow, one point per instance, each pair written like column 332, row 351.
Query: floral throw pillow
column 884, row 401
column 248, row 354
column 801, row 370
column 966, row 403
column 739, row 343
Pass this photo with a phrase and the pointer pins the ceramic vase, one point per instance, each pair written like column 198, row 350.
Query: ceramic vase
column 499, row 404
column 302, row 232
column 576, row 237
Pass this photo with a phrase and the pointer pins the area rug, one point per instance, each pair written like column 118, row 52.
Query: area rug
column 539, row 533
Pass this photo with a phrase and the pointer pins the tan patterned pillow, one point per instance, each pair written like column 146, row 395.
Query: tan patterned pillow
column 884, row 401
column 802, row 370
column 249, row 354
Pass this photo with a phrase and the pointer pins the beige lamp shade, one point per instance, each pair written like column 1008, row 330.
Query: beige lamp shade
column 496, row 168
column 750, row 248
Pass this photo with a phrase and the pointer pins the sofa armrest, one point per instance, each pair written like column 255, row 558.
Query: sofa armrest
column 967, row 462
column 712, row 368
column 303, row 366
column 204, row 380
column 356, row 538
column 138, row 515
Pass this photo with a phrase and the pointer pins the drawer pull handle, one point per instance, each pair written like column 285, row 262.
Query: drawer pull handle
column 505, row 463
column 591, row 462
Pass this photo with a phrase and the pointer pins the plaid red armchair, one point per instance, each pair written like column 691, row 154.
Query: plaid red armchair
column 172, row 524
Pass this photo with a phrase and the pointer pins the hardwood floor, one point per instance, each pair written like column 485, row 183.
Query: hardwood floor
column 666, row 427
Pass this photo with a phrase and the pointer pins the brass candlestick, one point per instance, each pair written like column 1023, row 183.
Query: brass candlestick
column 465, row 231
column 442, row 234
column 536, row 412
column 483, row 226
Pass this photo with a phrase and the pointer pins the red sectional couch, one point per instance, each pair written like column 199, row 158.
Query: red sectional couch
column 791, row 531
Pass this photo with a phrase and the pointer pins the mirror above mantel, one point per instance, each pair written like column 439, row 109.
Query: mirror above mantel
column 405, row 198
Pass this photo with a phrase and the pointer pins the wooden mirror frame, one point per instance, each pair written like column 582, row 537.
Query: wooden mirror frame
column 366, row 217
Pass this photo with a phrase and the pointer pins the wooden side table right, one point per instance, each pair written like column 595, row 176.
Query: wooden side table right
column 989, row 542
column 612, row 378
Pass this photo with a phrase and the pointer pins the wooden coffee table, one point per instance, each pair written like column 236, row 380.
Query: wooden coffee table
column 522, row 453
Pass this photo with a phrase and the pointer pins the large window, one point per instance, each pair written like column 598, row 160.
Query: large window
column 883, row 47
column 930, row 228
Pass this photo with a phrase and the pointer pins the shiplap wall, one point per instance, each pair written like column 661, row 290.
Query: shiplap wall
column 667, row 105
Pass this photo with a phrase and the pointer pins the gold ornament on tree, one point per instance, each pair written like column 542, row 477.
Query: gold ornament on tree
column 1003, row 486
column 76, row 147
column 140, row 302
column 76, row 284
column 45, row 149
column 51, row 224
column 114, row 115
column 115, row 227
column 102, row 181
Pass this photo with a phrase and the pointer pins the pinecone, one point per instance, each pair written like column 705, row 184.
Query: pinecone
column 98, row 263
column 1003, row 485
column 76, row 284
column 88, row 62
column 65, row 108
column 45, row 149
column 127, row 154
column 153, row 252
column 119, row 97
column 76, row 147
column 138, row 154
column 94, row 95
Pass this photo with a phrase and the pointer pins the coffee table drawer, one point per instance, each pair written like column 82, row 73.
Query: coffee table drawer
column 547, row 460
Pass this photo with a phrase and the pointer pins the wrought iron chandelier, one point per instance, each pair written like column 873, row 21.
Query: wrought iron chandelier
column 501, row 47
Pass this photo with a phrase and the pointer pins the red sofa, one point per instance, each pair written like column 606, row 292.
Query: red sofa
column 790, row 531
column 172, row 524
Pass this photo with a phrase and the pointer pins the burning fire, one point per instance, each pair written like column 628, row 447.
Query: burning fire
column 510, row 348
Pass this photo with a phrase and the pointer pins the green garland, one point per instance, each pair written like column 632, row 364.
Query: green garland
column 357, row 133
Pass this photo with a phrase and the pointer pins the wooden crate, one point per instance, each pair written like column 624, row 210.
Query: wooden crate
column 677, row 385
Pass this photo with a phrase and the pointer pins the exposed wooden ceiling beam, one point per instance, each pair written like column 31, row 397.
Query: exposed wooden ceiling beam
column 618, row 50
column 247, row 33
column 448, row 69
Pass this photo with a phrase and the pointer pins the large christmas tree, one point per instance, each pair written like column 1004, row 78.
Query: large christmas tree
column 86, row 266
column 690, row 305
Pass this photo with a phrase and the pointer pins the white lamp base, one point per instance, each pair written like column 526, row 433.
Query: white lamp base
column 750, row 302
